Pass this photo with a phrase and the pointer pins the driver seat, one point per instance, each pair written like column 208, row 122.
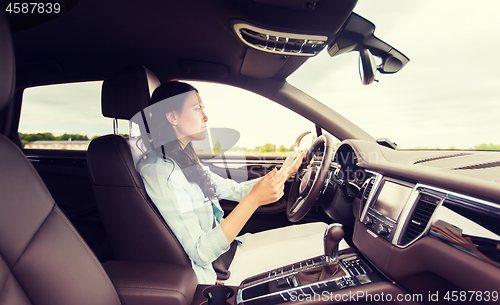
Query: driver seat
column 136, row 230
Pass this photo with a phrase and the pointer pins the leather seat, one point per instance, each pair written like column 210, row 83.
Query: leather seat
column 43, row 260
column 134, row 226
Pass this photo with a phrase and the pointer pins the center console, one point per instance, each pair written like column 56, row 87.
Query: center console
column 385, row 205
column 286, row 283
column 382, row 205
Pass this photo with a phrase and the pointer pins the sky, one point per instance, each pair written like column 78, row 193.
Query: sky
column 446, row 96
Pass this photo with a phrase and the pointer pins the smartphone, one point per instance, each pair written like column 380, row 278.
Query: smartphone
column 288, row 161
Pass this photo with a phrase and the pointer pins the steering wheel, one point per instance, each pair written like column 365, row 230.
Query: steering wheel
column 304, row 193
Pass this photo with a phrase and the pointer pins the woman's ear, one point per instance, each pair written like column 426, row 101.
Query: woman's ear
column 172, row 118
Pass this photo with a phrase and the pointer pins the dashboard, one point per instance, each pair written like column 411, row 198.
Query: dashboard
column 418, row 227
column 426, row 219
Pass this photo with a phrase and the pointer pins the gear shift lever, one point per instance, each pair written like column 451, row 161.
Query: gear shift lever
column 333, row 235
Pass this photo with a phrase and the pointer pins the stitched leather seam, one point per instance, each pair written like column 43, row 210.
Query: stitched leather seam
column 118, row 186
column 31, row 239
column 32, row 167
column 4, row 288
column 163, row 222
column 10, row 279
column 149, row 288
column 98, row 264
column 2, row 137
column 89, row 164
column 143, row 193
column 146, row 287
column 116, row 143
column 65, row 220
column 153, row 209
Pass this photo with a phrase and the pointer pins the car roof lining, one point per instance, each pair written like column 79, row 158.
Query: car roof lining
column 203, row 46
column 64, row 49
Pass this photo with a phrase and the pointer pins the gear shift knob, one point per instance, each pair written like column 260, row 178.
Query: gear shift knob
column 333, row 235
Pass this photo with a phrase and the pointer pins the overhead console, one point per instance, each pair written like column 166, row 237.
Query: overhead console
column 279, row 45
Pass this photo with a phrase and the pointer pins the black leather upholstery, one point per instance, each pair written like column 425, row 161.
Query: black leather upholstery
column 43, row 260
column 7, row 62
column 134, row 226
column 128, row 92
column 152, row 283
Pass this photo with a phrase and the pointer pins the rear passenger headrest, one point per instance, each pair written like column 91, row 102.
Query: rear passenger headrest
column 128, row 93
column 7, row 62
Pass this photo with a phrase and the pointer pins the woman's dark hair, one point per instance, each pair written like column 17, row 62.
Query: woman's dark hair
column 172, row 149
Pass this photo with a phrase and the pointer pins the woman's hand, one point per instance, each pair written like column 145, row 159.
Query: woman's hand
column 269, row 189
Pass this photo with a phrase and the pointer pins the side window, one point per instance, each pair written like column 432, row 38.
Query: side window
column 265, row 128
column 68, row 116
column 64, row 116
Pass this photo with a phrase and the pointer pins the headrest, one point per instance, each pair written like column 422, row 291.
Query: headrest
column 128, row 93
column 7, row 62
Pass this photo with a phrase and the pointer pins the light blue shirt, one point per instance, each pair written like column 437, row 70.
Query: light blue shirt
column 189, row 214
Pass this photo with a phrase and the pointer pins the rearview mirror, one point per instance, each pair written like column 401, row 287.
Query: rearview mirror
column 367, row 67
column 358, row 35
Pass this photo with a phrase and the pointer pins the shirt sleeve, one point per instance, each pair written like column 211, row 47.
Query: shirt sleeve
column 186, row 212
column 230, row 189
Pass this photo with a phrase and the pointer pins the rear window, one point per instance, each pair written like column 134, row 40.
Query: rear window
column 64, row 116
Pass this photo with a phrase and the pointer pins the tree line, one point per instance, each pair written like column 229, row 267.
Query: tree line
column 48, row 136
column 268, row 147
column 487, row 147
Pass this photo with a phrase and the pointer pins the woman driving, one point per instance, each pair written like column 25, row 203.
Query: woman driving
column 185, row 191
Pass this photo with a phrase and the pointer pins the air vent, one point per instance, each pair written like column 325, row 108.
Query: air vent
column 441, row 157
column 419, row 218
column 366, row 193
column 479, row 166
column 280, row 42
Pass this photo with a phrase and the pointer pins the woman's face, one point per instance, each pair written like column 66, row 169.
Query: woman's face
column 191, row 123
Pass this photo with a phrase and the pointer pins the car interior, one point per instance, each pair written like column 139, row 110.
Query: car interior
column 78, row 227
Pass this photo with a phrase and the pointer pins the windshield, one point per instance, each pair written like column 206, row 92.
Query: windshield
column 445, row 97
